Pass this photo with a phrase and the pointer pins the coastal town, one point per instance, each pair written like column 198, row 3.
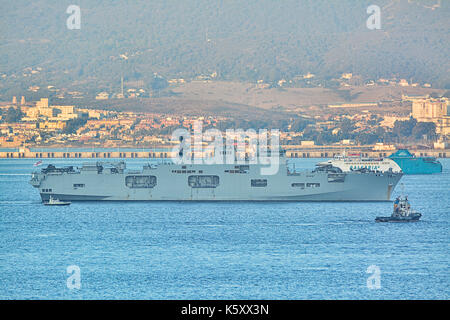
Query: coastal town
column 230, row 157
column 40, row 129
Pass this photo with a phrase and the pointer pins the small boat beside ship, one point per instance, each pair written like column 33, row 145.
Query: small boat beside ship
column 55, row 202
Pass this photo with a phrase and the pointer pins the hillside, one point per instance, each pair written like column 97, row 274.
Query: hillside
column 238, row 40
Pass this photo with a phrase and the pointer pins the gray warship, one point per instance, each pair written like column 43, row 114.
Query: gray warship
column 112, row 181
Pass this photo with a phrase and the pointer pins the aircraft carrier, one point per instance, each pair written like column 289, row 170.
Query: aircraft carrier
column 111, row 181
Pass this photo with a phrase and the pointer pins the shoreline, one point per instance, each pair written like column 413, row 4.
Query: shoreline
column 166, row 153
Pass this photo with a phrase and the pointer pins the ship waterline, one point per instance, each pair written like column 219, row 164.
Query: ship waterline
column 216, row 182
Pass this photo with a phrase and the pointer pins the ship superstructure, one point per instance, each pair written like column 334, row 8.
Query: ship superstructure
column 354, row 162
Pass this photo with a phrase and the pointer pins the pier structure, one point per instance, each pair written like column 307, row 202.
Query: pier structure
column 166, row 153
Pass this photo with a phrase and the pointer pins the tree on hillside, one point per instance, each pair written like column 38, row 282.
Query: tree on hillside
column 347, row 127
column 300, row 124
column 403, row 129
column 74, row 124
column 422, row 129
column 13, row 115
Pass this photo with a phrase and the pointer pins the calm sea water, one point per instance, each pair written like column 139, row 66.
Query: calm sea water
column 221, row 250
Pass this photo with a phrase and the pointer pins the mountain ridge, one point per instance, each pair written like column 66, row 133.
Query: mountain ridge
column 243, row 41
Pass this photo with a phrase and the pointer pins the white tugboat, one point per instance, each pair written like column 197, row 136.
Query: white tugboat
column 55, row 202
column 402, row 212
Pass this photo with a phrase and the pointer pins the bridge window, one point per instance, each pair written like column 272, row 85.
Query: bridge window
column 78, row 185
column 140, row 181
column 259, row 182
column 203, row 181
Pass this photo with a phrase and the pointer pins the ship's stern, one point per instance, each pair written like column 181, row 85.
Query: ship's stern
column 36, row 179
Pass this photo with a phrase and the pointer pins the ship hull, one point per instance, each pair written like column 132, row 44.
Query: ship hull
column 172, row 183
column 397, row 220
column 418, row 166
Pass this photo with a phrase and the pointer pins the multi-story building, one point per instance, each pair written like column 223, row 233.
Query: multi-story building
column 432, row 110
column 443, row 125
column 429, row 109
